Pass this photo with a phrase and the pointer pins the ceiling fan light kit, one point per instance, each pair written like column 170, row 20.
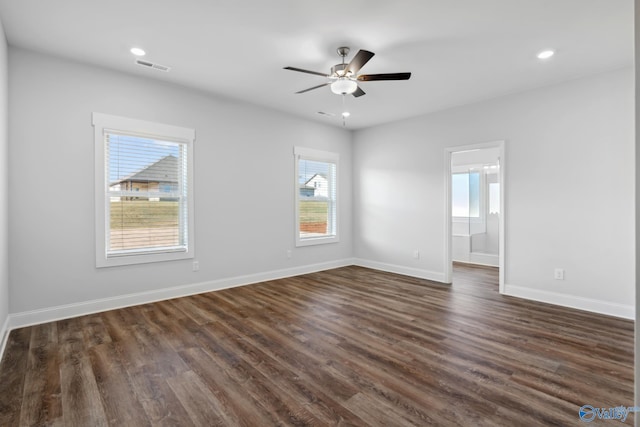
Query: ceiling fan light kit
column 344, row 86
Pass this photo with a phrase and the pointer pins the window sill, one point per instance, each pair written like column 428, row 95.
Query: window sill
column 312, row 241
column 462, row 219
column 115, row 261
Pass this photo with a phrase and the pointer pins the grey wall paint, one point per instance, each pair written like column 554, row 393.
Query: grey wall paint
column 244, row 183
column 4, row 184
column 569, row 186
column 637, row 198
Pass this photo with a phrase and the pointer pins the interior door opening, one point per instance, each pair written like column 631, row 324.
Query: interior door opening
column 475, row 207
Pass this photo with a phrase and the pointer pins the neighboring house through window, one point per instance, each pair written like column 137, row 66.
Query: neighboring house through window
column 144, row 196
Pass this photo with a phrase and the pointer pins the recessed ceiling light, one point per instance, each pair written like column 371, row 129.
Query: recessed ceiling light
column 138, row 52
column 546, row 54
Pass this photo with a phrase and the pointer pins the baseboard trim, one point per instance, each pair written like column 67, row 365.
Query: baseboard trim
column 52, row 314
column 474, row 263
column 400, row 269
column 572, row 301
column 5, row 336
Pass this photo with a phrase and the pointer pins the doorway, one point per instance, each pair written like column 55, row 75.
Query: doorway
column 474, row 207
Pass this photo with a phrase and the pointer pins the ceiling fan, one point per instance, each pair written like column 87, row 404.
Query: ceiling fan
column 344, row 77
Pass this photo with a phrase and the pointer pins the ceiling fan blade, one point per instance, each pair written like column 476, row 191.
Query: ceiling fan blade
column 388, row 76
column 358, row 92
column 306, row 71
column 358, row 61
column 315, row 87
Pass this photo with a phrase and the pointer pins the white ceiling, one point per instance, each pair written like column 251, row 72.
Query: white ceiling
column 459, row 51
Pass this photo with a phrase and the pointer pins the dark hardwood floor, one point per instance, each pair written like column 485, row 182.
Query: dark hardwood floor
column 349, row 346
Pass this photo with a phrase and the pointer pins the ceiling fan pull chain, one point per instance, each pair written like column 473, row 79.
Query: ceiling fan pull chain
column 344, row 111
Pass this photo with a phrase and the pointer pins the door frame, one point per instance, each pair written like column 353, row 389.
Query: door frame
column 448, row 238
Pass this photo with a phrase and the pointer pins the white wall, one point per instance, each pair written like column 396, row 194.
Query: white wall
column 569, row 190
column 4, row 190
column 637, row 198
column 51, row 185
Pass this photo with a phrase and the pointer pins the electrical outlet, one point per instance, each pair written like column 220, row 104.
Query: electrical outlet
column 288, row 253
column 558, row 274
column 416, row 254
column 196, row 266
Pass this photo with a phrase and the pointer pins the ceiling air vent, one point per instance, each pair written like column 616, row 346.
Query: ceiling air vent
column 152, row 65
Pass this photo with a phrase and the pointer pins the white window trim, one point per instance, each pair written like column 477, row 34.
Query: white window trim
column 320, row 156
column 102, row 122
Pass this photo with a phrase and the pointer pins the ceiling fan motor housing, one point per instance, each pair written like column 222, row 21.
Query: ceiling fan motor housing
column 338, row 69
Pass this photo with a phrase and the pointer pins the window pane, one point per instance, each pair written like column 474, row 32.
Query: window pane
column 143, row 223
column 465, row 195
column 460, row 194
column 147, row 183
column 314, row 217
column 317, row 211
column 143, row 163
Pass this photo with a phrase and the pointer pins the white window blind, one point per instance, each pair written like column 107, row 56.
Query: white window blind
column 144, row 203
column 316, row 196
column 147, row 194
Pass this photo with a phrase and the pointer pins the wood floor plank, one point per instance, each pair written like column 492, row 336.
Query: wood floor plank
column 372, row 412
column 201, row 404
column 158, row 353
column 299, row 380
column 235, row 402
column 12, row 376
column 42, row 403
column 81, row 401
column 116, row 325
column 118, row 398
column 71, row 336
column 288, row 402
column 289, row 352
column 174, row 326
column 94, row 331
column 193, row 311
column 349, row 346
column 160, row 403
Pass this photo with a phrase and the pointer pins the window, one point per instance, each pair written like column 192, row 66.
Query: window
column 316, row 175
column 465, row 195
column 144, row 191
